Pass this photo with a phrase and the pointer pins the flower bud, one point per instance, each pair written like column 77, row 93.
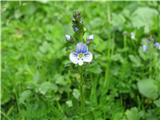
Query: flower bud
column 68, row 37
column 145, row 48
column 75, row 28
column 90, row 38
column 133, row 35
column 157, row 45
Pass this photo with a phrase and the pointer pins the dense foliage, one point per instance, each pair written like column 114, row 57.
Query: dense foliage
column 40, row 83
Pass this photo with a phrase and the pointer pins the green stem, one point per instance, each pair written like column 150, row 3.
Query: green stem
column 59, row 107
column 107, row 79
column 4, row 115
column 158, row 17
column 109, row 49
column 16, row 97
column 125, row 42
column 81, row 90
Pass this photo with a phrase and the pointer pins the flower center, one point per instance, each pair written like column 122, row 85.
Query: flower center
column 81, row 55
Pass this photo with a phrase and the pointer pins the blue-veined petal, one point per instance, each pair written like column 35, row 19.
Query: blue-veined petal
column 73, row 57
column 81, row 48
column 88, row 57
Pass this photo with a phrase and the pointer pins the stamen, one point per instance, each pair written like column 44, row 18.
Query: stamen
column 81, row 55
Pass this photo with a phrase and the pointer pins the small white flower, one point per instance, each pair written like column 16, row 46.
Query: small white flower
column 81, row 54
column 90, row 38
column 68, row 37
column 133, row 35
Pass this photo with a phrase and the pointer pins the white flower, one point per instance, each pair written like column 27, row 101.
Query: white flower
column 68, row 37
column 81, row 54
column 90, row 38
column 133, row 35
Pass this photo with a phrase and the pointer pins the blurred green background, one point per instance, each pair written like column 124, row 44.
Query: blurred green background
column 40, row 83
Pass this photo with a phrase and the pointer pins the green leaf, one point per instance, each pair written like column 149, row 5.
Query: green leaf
column 76, row 93
column 44, row 47
column 118, row 20
column 117, row 116
column 133, row 114
column 100, row 44
column 47, row 86
column 24, row 96
column 59, row 79
column 94, row 68
column 117, row 57
column 143, row 17
column 6, row 95
column 135, row 60
column 69, row 103
column 148, row 88
column 157, row 102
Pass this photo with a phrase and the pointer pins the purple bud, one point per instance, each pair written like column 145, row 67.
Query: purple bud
column 75, row 29
column 145, row 48
column 157, row 45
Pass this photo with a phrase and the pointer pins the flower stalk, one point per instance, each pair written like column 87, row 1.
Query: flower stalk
column 82, row 97
column 81, row 55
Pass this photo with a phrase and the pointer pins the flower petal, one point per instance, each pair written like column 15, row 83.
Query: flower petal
column 90, row 37
column 73, row 57
column 81, row 48
column 88, row 57
column 80, row 62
